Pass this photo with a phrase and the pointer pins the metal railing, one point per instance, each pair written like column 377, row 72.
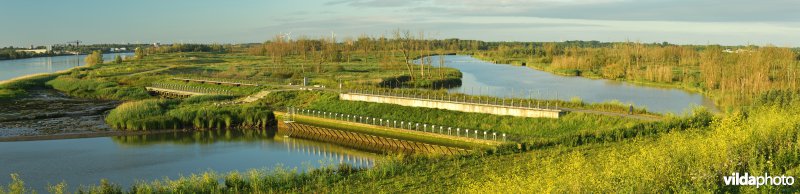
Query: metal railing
column 193, row 89
column 405, row 125
column 448, row 97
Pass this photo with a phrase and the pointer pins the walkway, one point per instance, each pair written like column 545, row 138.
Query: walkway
column 215, row 82
column 173, row 91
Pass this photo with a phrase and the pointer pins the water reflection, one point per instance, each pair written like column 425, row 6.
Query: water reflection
column 196, row 137
column 328, row 153
column 154, row 156
column 483, row 78
column 22, row 67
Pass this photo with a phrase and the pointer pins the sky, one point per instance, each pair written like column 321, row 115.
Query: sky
column 726, row 22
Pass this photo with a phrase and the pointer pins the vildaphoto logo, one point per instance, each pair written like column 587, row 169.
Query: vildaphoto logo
column 758, row 181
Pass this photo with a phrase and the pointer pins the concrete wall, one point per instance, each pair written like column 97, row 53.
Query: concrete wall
column 456, row 106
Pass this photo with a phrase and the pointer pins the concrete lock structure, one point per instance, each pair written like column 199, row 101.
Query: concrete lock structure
column 456, row 106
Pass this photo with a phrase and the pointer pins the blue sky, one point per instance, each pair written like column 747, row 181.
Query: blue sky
column 727, row 22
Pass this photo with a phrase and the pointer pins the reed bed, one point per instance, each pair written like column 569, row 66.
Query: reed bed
column 155, row 114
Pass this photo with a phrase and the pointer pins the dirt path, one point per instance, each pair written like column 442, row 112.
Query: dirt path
column 260, row 95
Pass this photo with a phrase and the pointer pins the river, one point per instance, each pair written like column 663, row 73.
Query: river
column 501, row 80
column 21, row 67
column 126, row 159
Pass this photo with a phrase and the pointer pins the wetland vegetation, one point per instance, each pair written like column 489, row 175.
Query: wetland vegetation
column 732, row 75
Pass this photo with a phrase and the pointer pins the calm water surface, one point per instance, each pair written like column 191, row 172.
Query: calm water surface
column 480, row 77
column 126, row 159
column 21, row 67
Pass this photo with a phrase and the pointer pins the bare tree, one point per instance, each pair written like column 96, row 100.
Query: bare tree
column 404, row 41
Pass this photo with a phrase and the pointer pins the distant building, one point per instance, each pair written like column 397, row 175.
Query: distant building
column 118, row 49
column 37, row 51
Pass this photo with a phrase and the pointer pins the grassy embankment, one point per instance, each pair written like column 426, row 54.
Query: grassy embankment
column 579, row 127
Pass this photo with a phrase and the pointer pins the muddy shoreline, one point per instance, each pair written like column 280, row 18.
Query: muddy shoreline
column 49, row 114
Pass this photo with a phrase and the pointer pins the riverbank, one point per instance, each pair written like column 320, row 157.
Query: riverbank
column 542, row 67
column 714, row 98
column 31, row 76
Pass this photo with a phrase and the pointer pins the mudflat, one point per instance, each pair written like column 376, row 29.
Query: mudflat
column 50, row 113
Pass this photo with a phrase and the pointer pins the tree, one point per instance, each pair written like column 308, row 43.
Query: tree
column 118, row 59
column 403, row 43
column 139, row 53
column 95, row 58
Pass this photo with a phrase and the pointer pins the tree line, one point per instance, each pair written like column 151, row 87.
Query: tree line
column 395, row 50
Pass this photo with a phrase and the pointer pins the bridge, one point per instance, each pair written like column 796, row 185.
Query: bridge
column 205, row 81
column 173, row 92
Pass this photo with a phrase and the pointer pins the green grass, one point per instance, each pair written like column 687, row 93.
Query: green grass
column 97, row 89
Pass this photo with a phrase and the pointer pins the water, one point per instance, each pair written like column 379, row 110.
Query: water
column 480, row 77
column 22, row 67
column 147, row 157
